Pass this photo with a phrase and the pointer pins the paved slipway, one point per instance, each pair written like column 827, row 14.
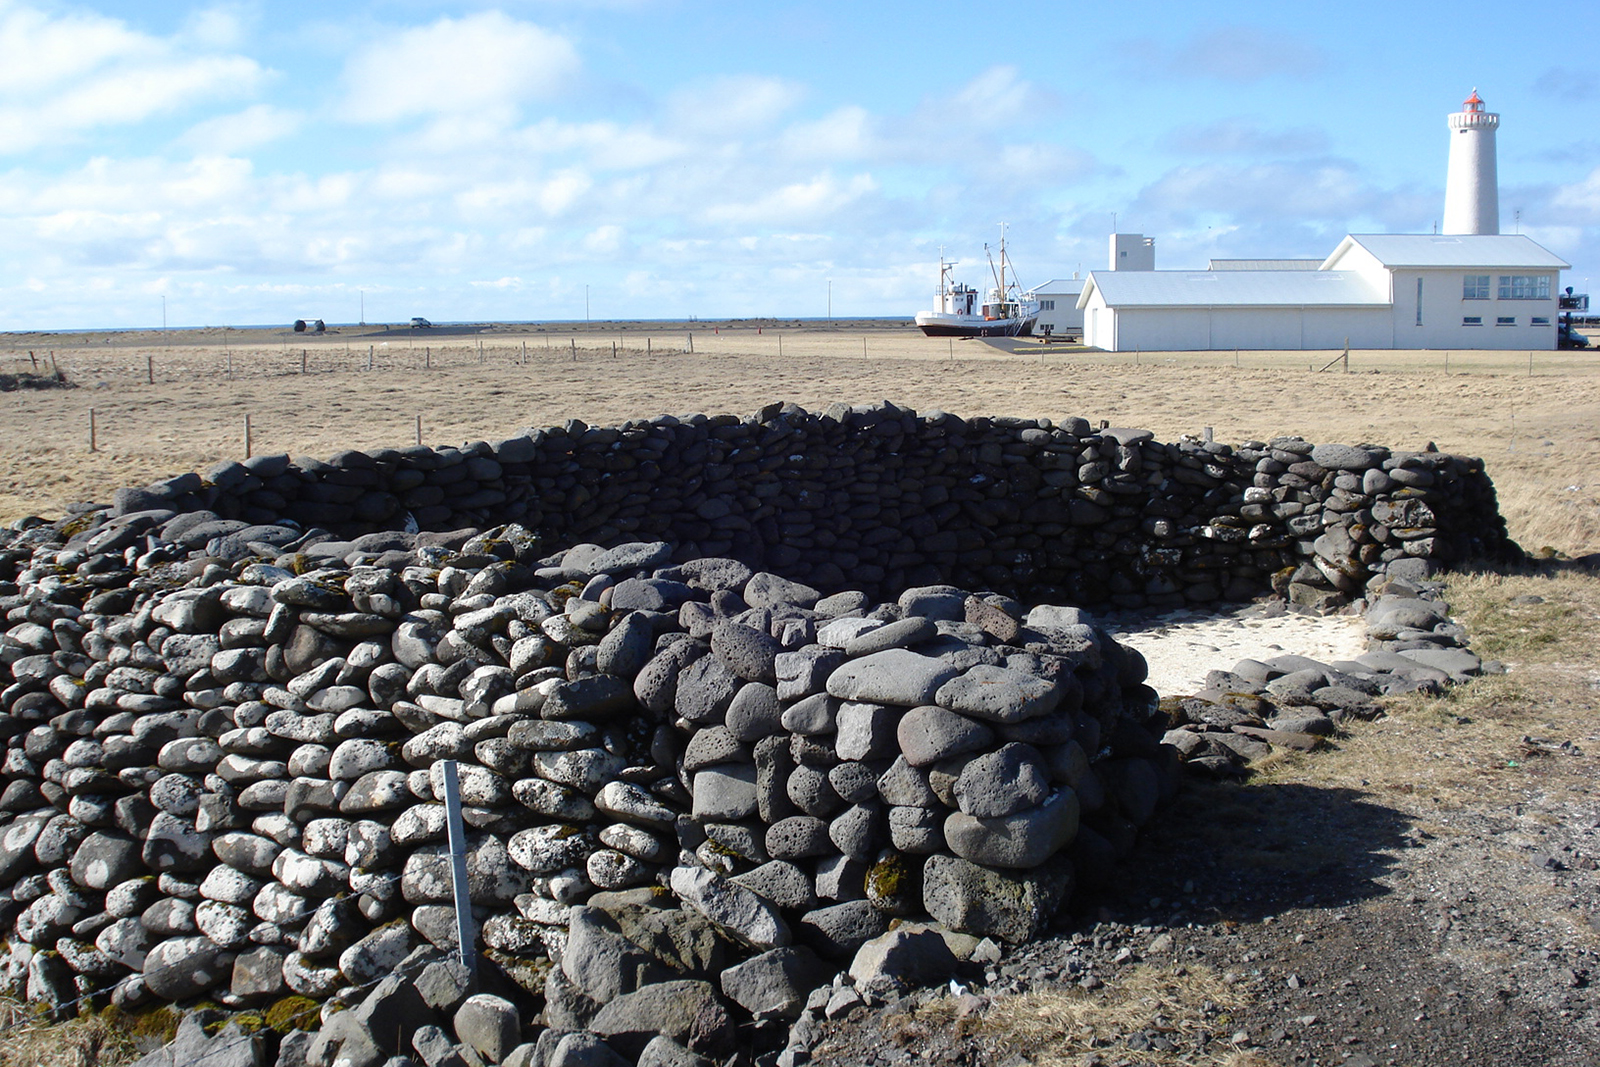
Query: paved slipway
column 1351, row 935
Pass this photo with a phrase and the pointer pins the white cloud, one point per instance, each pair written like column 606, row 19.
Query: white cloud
column 65, row 76
column 255, row 126
column 728, row 107
column 1239, row 54
column 846, row 133
column 823, row 195
column 483, row 63
column 1579, row 202
column 1243, row 137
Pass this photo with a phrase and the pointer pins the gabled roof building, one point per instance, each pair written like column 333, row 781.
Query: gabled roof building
column 1469, row 288
column 1472, row 291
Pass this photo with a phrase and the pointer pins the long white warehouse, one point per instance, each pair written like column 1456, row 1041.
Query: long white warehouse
column 1468, row 291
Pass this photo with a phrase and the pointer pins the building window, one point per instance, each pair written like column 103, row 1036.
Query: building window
column 1047, row 305
column 1472, row 320
column 1524, row 287
column 1506, row 320
column 1475, row 287
column 1419, row 301
column 1539, row 320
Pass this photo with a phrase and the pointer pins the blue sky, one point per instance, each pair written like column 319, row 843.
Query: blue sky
column 256, row 162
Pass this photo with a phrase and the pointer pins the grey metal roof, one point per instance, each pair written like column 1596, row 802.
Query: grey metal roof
column 1464, row 250
column 1061, row 285
column 1265, row 264
column 1238, row 288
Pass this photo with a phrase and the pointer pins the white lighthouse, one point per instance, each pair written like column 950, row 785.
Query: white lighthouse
column 1472, row 187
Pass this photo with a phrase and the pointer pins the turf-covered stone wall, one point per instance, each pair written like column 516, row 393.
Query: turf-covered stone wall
column 882, row 498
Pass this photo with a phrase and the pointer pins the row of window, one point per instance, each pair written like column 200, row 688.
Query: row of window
column 1511, row 287
column 1504, row 320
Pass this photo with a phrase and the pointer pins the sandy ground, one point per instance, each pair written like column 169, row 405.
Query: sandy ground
column 1181, row 646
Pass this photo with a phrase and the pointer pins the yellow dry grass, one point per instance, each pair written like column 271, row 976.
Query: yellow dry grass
column 1058, row 1026
column 29, row 1039
column 1539, row 434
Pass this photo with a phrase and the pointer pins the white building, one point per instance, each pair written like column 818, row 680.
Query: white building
column 1472, row 186
column 1488, row 291
column 1058, row 307
column 1133, row 251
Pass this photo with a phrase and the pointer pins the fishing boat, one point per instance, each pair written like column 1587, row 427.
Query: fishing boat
column 958, row 312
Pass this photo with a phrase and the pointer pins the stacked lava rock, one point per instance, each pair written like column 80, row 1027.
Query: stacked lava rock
column 883, row 498
column 223, row 776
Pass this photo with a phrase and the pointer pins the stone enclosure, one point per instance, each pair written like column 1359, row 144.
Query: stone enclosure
column 728, row 698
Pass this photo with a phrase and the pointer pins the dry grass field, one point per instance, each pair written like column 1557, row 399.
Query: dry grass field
column 1539, row 432
column 1452, row 841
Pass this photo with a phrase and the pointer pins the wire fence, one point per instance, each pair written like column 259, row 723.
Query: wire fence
column 420, row 352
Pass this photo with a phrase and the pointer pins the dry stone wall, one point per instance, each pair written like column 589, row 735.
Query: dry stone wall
column 700, row 774
column 881, row 499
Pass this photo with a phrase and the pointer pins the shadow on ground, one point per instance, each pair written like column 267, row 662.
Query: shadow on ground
column 1229, row 851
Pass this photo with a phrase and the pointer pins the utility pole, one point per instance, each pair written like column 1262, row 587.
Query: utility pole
column 585, row 303
column 363, row 306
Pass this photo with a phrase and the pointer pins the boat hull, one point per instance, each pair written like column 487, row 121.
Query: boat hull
column 935, row 325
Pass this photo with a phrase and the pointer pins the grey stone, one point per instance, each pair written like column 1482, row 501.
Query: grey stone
column 999, row 694
column 781, row 882
column 1011, row 905
column 755, row 712
column 775, row 984
column 662, row 1051
column 1342, row 457
column 1007, row 780
column 731, row 907
column 896, row 676
column 602, row 962
column 1021, row 840
column 185, row 967
column 765, row 590
column 627, row 647
column 902, row 633
column 686, row 1010
column 902, row 958
column 725, row 792
column 489, row 1025
column 865, row 731
column 812, row 716
column 798, row 837
column 919, row 831
column 930, row 733
column 837, row 931
column 583, row 1049
column 749, row 653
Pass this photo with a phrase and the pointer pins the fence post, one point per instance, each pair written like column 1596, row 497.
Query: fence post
column 691, row 344
column 302, row 361
column 524, row 352
column 369, row 357
column 150, row 368
column 466, row 929
column 92, row 447
column 247, row 440
column 427, row 357
column 419, row 429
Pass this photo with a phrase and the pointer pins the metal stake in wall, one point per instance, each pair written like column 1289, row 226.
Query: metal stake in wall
column 466, row 929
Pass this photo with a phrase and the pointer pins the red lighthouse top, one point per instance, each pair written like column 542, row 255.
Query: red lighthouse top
column 1472, row 103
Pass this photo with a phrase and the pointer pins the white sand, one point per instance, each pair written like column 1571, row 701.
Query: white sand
column 1181, row 646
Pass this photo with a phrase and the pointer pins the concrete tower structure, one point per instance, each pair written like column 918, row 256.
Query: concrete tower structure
column 1472, row 186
